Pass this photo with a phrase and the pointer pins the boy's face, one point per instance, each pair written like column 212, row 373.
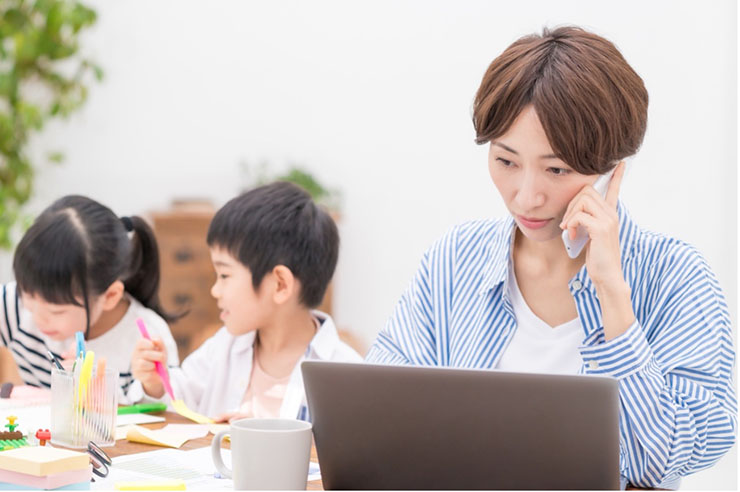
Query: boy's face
column 242, row 308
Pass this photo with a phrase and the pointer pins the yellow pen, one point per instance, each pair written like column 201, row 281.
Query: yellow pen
column 86, row 373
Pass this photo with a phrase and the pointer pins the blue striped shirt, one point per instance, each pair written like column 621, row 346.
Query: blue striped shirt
column 678, row 410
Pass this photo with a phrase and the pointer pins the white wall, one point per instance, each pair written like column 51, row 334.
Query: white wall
column 374, row 97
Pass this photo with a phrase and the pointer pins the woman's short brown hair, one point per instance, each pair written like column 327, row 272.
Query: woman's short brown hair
column 591, row 103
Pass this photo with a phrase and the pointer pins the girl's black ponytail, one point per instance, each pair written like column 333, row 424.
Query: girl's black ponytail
column 142, row 281
column 78, row 247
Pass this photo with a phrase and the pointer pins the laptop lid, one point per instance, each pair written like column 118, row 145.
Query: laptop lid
column 400, row 427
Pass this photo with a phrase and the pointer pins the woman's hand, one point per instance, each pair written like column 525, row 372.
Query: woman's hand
column 598, row 216
column 603, row 257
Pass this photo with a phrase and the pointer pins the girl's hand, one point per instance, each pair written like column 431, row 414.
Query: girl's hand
column 146, row 353
column 599, row 217
column 68, row 357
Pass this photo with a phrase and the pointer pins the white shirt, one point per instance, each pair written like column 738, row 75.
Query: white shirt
column 536, row 346
column 214, row 378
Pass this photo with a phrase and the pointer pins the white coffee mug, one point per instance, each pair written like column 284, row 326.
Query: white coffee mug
column 266, row 454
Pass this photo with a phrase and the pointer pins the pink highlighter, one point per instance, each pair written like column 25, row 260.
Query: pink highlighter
column 160, row 368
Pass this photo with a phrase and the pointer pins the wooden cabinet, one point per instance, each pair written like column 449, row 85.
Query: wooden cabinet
column 187, row 273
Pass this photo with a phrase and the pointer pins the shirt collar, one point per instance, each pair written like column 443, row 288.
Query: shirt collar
column 499, row 251
column 323, row 343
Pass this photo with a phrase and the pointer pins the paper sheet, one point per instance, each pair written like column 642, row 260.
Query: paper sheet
column 157, row 437
column 122, row 431
column 314, row 472
column 183, row 410
column 195, row 467
column 137, row 418
column 191, row 431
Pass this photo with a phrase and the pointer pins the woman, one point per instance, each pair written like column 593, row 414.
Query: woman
column 557, row 111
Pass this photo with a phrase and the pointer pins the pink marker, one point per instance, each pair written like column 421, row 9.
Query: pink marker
column 160, row 368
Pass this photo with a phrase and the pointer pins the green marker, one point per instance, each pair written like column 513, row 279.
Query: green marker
column 143, row 408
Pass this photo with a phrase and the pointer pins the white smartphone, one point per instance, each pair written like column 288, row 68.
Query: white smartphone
column 575, row 246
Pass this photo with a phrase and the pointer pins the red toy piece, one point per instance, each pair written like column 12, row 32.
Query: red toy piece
column 43, row 436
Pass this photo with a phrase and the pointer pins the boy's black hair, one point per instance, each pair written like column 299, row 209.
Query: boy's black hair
column 279, row 224
column 77, row 248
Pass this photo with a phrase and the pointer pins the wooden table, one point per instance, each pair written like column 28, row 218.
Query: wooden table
column 124, row 447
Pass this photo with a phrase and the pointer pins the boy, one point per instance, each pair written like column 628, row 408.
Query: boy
column 274, row 252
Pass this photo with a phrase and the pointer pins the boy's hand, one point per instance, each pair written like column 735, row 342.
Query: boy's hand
column 230, row 417
column 146, row 353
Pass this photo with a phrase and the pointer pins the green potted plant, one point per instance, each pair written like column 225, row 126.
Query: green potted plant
column 330, row 198
column 42, row 77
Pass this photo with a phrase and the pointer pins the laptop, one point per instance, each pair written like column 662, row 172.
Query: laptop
column 399, row 427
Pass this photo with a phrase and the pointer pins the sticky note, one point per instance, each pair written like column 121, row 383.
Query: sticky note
column 43, row 460
column 53, row 481
column 151, row 485
column 216, row 428
column 157, row 437
column 183, row 410
column 122, row 431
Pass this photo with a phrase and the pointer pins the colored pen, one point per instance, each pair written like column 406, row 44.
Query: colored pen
column 54, row 360
column 80, row 339
column 158, row 365
column 142, row 408
column 86, row 374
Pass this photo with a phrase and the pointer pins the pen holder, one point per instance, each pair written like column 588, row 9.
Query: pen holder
column 83, row 409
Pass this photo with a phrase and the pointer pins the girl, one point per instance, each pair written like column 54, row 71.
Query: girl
column 556, row 111
column 81, row 268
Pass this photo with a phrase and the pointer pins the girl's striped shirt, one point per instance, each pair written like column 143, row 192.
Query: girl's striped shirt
column 29, row 345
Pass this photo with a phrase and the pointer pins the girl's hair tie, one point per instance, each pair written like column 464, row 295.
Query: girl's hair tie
column 127, row 223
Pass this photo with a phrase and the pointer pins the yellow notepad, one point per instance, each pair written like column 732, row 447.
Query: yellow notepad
column 122, row 431
column 183, row 410
column 216, row 428
column 151, row 485
column 156, row 437
column 41, row 461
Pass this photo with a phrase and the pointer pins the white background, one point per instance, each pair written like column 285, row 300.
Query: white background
column 375, row 99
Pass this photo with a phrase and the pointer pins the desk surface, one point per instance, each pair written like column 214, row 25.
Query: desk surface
column 124, row 447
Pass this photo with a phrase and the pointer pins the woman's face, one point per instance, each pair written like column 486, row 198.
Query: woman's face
column 535, row 185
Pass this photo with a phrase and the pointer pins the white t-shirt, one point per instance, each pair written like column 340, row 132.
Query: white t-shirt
column 537, row 346
column 28, row 345
column 214, row 378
